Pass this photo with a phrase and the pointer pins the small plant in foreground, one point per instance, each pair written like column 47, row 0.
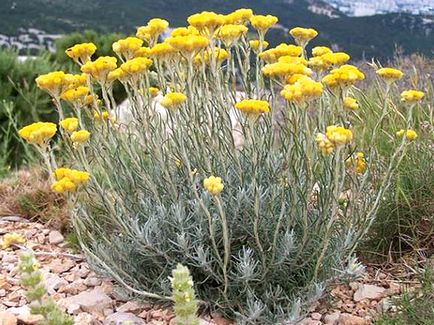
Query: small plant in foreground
column 262, row 189
column 31, row 278
column 185, row 303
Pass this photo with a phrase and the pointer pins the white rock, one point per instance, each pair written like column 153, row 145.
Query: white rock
column 348, row 319
column 369, row 291
column 53, row 282
column 7, row 318
column 332, row 319
column 94, row 301
column 55, row 237
column 25, row 316
column 119, row 318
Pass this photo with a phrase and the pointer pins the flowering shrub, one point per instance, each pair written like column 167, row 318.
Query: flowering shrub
column 251, row 175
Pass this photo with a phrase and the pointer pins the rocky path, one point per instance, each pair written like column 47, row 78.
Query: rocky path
column 91, row 299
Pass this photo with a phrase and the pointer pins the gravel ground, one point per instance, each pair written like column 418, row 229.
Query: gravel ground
column 92, row 300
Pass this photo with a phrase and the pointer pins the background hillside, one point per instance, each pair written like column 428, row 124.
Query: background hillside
column 374, row 36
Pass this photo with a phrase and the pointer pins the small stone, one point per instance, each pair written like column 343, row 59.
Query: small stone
column 25, row 316
column 83, row 319
column 53, row 282
column 2, row 292
column 92, row 282
column 59, row 266
column 369, row 291
column 120, row 318
column 332, row 319
column 348, row 319
column 129, row 306
column 7, row 318
column 94, row 301
column 310, row 321
column 384, row 305
column 73, row 309
column 55, row 237
column 315, row 316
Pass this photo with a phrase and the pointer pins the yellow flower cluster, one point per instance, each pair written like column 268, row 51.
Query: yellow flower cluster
column 136, row 66
column 67, row 180
column 230, row 34
column 351, row 103
column 283, row 70
column 79, row 96
column 324, row 144
column 321, row 50
column 409, row 134
column 412, row 96
column 343, row 77
column 253, row 106
column 103, row 116
column 303, row 89
column 338, row 135
column 153, row 91
column 80, row 136
column 81, row 53
column 162, row 51
column 55, row 83
column 254, row 45
column 128, row 47
column 239, row 16
column 100, row 68
column 188, row 45
column 357, row 163
column 390, row 74
column 302, row 36
column 262, row 23
column 206, row 22
column 69, row 124
column 219, row 55
column 173, row 100
column 38, row 133
column 10, row 239
column 273, row 55
column 152, row 30
column 327, row 59
column 214, row 185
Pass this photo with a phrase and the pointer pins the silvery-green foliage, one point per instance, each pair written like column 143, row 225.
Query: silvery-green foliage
column 280, row 222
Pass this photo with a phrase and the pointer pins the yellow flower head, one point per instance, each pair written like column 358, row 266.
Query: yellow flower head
column 76, row 96
column 239, row 17
column 100, row 68
column 64, row 185
column 152, row 30
column 206, row 22
column 318, row 63
column 117, row 74
column 184, row 31
column 142, row 52
column 38, row 133
column 103, row 116
column 153, row 91
column 343, row 77
column 390, row 74
column 282, row 69
column 214, row 185
column 163, row 51
column 321, row 50
column 357, row 163
column 188, row 44
column 273, row 55
column 253, row 106
column 336, row 59
column 136, row 66
column 409, row 134
column 230, row 34
column 302, row 36
column 338, row 135
column 351, row 103
column 67, row 180
column 127, row 48
column 254, row 45
column 81, row 53
column 80, row 136
column 325, row 146
column 173, row 100
column 10, row 239
column 69, row 124
column 219, row 55
column 303, row 89
column 412, row 96
column 55, row 83
column 262, row 23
